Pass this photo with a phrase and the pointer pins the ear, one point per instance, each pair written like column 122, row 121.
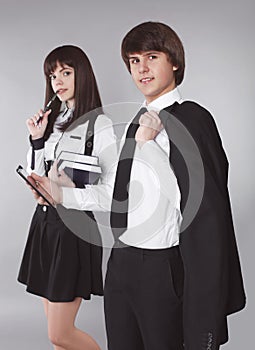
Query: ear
column 175, row 68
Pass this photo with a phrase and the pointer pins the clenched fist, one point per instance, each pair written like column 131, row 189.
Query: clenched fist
column 150, row 126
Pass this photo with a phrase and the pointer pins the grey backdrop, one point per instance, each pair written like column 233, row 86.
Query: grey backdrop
column 218, row 38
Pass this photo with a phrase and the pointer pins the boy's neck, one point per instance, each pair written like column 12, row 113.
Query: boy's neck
column 169, row 93
column 164, row 100
column 171, row 88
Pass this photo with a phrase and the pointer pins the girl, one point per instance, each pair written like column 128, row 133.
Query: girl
column 58, row 265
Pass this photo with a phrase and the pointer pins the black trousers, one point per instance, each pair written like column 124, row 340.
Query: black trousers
column 143, row 299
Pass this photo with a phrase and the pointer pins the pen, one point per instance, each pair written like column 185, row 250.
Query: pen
column 47, row 107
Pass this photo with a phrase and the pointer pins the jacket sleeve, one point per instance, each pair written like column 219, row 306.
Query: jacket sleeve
column 205, row 242
column 206, row 262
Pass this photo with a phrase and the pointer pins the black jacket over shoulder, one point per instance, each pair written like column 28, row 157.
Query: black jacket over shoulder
column 213, row 285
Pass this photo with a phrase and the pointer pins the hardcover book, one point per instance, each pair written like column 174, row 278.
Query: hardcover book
column 82, row 169
column 77, row 157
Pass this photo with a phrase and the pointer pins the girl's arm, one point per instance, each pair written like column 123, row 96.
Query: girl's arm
column 35, row 155
column 97, row 197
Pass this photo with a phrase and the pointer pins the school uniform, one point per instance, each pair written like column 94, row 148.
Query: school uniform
column 60, row 263
column 174, row 275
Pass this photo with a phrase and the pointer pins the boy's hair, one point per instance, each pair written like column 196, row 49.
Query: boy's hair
column 155, row 36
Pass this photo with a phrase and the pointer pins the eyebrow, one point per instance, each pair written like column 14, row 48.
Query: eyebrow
column 71, row 68
column 63, row 68
column 145, row 54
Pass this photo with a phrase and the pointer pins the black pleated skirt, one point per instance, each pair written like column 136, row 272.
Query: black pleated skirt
column 58, row 264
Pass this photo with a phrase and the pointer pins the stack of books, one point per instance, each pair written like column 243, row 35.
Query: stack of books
column 81, row 168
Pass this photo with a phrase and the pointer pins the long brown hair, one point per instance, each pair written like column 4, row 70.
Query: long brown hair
column 86, row 93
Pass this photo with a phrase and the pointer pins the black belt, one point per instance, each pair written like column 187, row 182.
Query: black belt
column 145, row 251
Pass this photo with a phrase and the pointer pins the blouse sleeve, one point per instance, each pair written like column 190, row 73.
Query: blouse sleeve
column 97, row 197
column 35, row 157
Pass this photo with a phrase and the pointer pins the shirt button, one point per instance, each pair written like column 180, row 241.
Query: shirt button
column 44, row 208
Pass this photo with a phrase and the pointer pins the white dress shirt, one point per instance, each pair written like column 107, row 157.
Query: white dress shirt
column 154, row 216
column 92, row 197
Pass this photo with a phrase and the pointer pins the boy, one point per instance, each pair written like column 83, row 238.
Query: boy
column 176, row 274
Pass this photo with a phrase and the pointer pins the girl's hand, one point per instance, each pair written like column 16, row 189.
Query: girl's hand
column 60, row 178
column 49, row 188
column 37, row 197
column 37, row 129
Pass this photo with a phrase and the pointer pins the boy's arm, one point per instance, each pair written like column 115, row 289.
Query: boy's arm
column 154, row 156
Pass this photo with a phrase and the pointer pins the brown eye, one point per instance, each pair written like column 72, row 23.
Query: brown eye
column 134, row 61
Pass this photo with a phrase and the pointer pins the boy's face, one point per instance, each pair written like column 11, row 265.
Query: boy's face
column 152, row 73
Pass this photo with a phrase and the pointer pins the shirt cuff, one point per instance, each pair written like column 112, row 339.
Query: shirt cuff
column 37, row 144
column 69, row 199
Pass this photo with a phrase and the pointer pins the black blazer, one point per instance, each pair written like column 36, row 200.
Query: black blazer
column 213, row 285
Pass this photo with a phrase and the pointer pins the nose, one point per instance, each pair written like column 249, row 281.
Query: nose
column 57, row 81
column 143, row 66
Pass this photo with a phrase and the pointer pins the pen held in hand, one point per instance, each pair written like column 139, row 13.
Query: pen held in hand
column 47, row 107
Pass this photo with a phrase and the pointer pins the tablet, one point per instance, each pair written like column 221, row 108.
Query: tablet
column 35, row 185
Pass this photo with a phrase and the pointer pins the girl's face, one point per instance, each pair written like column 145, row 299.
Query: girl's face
column 62, row 80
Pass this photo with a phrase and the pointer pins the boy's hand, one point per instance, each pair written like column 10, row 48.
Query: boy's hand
column 150, row 126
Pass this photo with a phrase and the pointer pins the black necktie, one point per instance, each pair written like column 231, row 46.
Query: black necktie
column 119, row 209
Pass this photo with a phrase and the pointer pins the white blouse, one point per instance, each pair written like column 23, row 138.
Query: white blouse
column 93, row 197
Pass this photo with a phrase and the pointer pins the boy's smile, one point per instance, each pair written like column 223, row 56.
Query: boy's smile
column 152, row 73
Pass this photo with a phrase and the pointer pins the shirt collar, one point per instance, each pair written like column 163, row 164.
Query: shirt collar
column 64, row 115
column 164, row 101
column 64, row 108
